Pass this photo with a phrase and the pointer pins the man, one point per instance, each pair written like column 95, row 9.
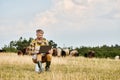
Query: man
column 37, row 57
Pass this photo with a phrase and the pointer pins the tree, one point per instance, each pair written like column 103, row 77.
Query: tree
column 22, row 43
column 52, row 43
column 14, row 46
column 9, row 48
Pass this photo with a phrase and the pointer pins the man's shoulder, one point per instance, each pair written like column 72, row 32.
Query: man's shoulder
column 44, row 39
column 34, row 40
column 37, row 40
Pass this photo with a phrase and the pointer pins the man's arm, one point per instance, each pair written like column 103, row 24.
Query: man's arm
column 32, row 47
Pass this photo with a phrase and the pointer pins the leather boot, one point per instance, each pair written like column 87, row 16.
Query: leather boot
column 47, row 67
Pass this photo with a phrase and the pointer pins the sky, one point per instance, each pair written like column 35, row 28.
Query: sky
column 67, row 22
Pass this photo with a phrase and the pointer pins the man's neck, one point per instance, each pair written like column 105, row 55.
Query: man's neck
column 39, row 38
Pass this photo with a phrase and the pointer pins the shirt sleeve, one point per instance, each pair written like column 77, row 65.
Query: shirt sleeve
column 47, row 42
column 32, row 46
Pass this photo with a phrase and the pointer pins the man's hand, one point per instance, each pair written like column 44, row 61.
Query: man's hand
column 50, row 51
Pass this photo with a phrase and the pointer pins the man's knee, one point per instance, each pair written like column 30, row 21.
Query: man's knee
column 49, row 57
column 39, row 57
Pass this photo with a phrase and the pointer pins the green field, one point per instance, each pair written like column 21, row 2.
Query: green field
column 13, row 67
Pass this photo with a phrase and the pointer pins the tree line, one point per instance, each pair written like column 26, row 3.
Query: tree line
column 100, row 51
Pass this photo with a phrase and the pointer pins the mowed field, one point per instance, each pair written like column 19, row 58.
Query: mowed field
column 13, row 67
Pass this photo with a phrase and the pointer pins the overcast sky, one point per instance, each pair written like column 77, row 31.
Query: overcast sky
column 67, row 22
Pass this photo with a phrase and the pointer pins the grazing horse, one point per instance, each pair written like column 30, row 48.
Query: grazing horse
column 74, row 53
column 22, row 52
column 67, row 51
column 63, row 53
column 91, row 54
column 54, row 52
column 2, row 50
column 60, row 52
column 57, row 52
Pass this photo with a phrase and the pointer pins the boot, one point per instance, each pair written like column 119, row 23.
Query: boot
column 47, row 67
column 40, row 66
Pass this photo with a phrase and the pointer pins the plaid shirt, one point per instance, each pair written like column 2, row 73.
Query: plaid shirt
column 35, row 45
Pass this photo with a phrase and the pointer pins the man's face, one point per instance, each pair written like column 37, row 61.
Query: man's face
column 39, row 35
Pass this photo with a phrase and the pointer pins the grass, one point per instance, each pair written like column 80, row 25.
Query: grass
column 13, row 67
